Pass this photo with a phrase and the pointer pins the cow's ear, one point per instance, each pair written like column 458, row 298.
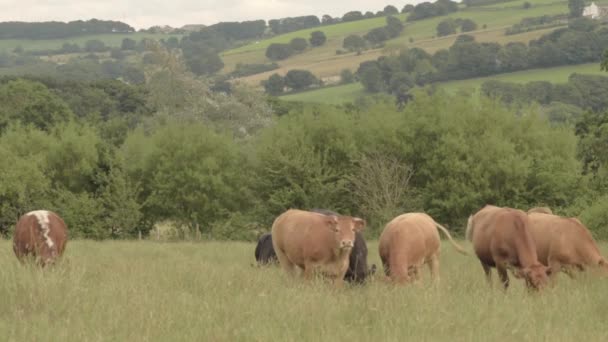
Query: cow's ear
column 332, row 222
column 359, row 223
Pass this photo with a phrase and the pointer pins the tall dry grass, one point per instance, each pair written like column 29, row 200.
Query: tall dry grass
column 147, row 291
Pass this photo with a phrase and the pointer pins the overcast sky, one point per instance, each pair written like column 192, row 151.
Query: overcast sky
column 176, row 13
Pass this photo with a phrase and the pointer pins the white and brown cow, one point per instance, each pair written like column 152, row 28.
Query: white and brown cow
column 315, row 242
column 41, row 234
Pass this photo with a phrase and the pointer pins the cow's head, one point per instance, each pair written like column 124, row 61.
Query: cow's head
column 345, row 228
column 537, row 276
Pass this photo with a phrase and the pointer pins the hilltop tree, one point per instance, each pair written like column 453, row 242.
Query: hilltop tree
column 390, row 10
column 317, row 38
column 576, row 8
column 352, row 16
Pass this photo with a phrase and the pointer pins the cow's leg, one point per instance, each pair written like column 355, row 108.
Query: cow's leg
column 286, row 264
column 502, row 273
column 434, row 268
column 487, row 270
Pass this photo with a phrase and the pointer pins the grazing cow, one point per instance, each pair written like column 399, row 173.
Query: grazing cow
column 544, row 210
column 264, row 252
column 564, row 244
column 41, row 234
column 407, row 243
column 501, row 238
column 357, row 263
column 315, row 242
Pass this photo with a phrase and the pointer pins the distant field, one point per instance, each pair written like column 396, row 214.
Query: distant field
column 324, row 62
column 113, row 40
column 147, row 291
column 331, row 31
column 349, row 92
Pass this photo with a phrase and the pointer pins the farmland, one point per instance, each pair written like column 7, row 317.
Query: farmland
column 324, row 62
column 349, row 92
column 148, row 291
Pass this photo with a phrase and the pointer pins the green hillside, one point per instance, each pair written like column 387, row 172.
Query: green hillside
column 323, row 61
column 349, row 92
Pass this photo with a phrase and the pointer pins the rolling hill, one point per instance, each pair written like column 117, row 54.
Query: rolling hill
column 323, row 61
column 349, row 92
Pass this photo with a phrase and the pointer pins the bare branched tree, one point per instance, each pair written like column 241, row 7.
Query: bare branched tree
column 381, row 188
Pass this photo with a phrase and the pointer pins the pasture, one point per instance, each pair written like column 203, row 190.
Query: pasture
column 149, row 291
column 349, row 92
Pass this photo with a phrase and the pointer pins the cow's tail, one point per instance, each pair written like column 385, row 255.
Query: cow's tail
column 469, row 232
column 447, row 233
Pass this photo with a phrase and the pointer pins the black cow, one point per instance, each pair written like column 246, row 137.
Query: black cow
column 264, row 252
column 357, row 264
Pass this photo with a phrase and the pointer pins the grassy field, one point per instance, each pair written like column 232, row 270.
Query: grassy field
column 113, row 40
column 349, row 92
column 325, row 63
column 147, row 291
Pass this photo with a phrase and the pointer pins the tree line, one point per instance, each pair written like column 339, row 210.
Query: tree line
column 582, row 42
column 116, row 160
column 58, row 30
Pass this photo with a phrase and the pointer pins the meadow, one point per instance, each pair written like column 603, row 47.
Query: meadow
column 111, row 40
column 349, row 92
column 195, row 291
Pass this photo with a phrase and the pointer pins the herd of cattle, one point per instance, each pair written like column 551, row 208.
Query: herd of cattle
column 534, row 245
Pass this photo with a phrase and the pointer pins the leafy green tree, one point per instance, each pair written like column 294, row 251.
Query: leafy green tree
column 31, row 103
column 189, row 174
column 275, row 84
column 468, row 25
column 317, row 38
column 354, row 42
column 352, row 16
column 446, row 27
column 277, row 51
column 394, row 26
column 347, row 76
column 207, row 62
column 299, row 79
column 128, row 44
column 370, row 76
column 390, row 10
column 576, row 8
column 377, row 35
column 298, row 44
column 95, row 45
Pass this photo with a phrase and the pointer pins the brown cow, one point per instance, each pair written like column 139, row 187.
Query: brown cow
column 407, row 243
column 501, row 238
column 544, row 210
column 564, row 244
column 315, row 242
column 41, row 234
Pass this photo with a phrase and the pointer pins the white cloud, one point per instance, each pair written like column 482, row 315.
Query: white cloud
column 146, row 13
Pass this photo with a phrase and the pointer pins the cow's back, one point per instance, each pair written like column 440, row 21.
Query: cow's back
column 566, row 236
column 413, row 234
column 40, row 233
